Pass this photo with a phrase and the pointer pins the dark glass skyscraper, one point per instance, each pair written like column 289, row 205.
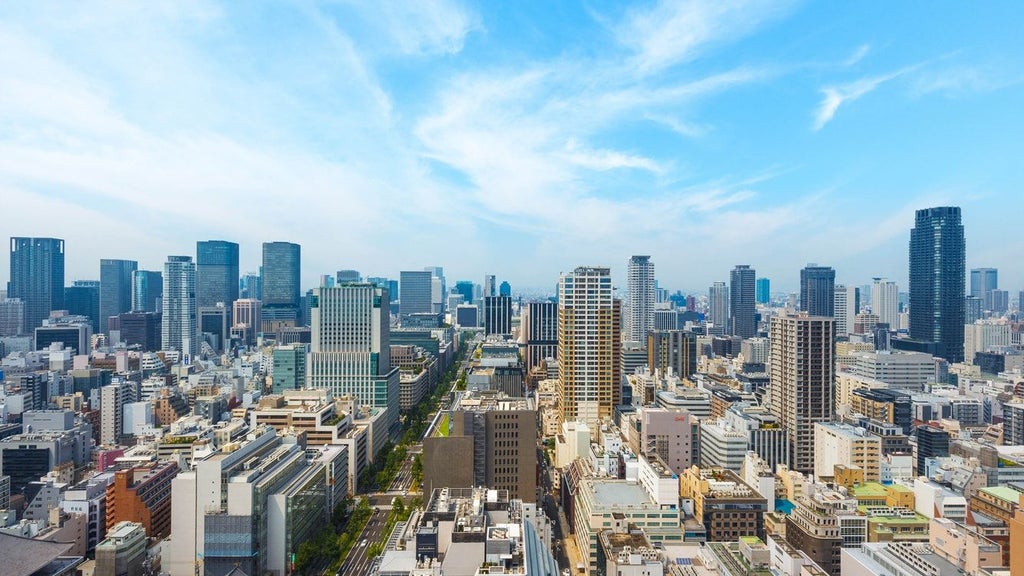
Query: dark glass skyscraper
column 37, row 277
column 282, row 265
column 83, row 299
column 147, row 291
column 216, row 274
column 741, row 301
column 465, row 287
column 817, row 290
column 937, row 271
column 115, row 288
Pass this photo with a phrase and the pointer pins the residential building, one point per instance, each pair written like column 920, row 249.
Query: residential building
column 718, row 309
column 179, row 323
column 823, row 523
column 937, row 262
column 802, row 372
column 842, row 445
column 589, row 343
column 142, row 494
column 640, row 290
column 885, row 302
column 846, row 302
column 741, row 302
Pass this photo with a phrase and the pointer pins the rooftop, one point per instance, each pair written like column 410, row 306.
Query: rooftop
column 1004, row 493
column 619, row 493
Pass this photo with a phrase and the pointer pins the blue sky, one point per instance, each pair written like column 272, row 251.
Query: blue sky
column 515, row 138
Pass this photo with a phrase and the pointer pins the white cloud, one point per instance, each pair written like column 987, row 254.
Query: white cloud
column 835, row 96
column 677, row 31
column 857, row 55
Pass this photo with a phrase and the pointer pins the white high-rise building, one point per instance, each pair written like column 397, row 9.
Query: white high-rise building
column 640, row 284
column 179, row 325
column 589, row 346
column 718, row 307
column 351, row 344
column 845, row 309
column 984, row 335
column 885, row 296
column 111, row 414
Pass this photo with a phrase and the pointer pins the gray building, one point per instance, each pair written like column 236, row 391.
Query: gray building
column 281, row 273
column 416, row 292
column 116, row 278
column 742, row 305
column 37, row 277
column 817, row 290
column 937, row 262
column 179, row 328
column 216, row 274
column 82, row 298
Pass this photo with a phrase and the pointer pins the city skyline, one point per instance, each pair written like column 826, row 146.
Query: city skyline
column 772, row 134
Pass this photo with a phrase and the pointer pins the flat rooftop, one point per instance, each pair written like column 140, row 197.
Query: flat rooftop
column 619, row 492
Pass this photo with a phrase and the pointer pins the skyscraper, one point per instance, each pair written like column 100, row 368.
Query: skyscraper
column 937, row 262
column 346, row 276
column 640, row 287
column 763, row 290
column 818, row 290
column 885, row 302
column 350, row 351
column 438, row 289
column 540, row 324
column 281, row 273
column 465, row 287
column 116, row 278
column 497, row 315
column 718, row 308
column 82, row 298
column 741, row 302
column 983, row 280
column 504, row 289
column 490, row 285
column 147, row 289
column 37, row 277
column 179, row 329
column 417, row 292
column 802, row 367
column 847, row 306
column 216, row 274
column 589, row 345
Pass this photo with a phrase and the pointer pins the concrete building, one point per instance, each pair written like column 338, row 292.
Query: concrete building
column 727, row 507
column 122, row 552
column 142, row 494
column 802, row 372
column 351, row 346
column 907, row 371
column 846, row 446
column 672, row 349
column 112, row 401
column 722, row 445
column 669, row 434
column 640, row 291
column 485, row 440
column 823, row 523
column 846, row 302
column 984, row 336
column 885, row 301
column 718, row 309
column 589, row 344
column 180, row 325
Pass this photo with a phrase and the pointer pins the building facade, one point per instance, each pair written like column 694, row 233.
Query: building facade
column 640, row 289
column 37, row 277
column 179, row 323
column 937, row 262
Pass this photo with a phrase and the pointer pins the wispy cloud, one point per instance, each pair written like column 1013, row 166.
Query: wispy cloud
column 857, row 55
column 835, row 96
column 672, row 31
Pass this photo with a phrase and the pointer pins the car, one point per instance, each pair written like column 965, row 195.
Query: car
column 363, row 543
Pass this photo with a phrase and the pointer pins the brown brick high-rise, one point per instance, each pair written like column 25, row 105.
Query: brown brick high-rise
column 143, row 494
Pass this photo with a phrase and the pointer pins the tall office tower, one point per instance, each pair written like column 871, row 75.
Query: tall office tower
column 885, row 302
column 281, row 273
column 763, row 288
column 718, row 308
column 346, row 276
column 216, row 274
column 974, row 309
column 147, row 289
column 115, row 288
column 350, row 351
column 540, row 326
column 416, row 295
column 490, row 286
column 675, row 349
column 589, row 345
column 846, row 303
column 802, row 368
column 818, row 290
column 247, row 319
column 640, row 288
column 251, row 286
column 741, row 302
column 465, row 287
column 37, row 277
column 504, row 289
column 82, row 298
column 179, row 324
column 937, row 261
column 983, row 280
column 438, row 289
column 12, row 317
column 497, row 315
column 141, row 329
column 997, row 301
